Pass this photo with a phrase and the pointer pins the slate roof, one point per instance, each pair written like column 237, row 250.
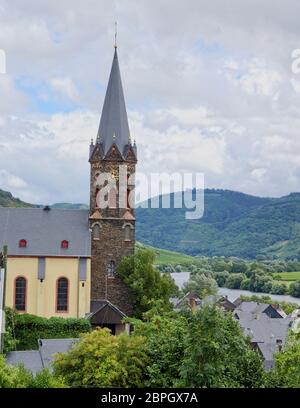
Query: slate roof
column 49, row 347
column 104, row 312
column 44, row 230
column 36, row 360
column 266, row 333
column 30, row 358
column 114, row 126
column 256, row 308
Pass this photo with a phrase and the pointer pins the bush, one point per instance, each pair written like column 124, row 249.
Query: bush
column 234, row 280
column 29, row 328
column 279, row 289
column 100, row 359
column 295, row 289
column 19, row 377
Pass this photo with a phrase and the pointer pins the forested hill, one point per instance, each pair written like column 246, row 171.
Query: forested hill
column 234, row 224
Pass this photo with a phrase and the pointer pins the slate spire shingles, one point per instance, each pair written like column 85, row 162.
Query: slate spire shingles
column 114, row 126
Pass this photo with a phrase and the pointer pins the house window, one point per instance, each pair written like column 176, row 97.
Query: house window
column 111, row 269
column 20, row 293
column 64, row 244
column 127, row 232
column 22, row 243
column 96, row 232
column 62, row 295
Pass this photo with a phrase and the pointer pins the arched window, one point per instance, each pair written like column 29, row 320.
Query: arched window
column 112, row 198
column 20, row 293
column 64, row 244
column 96, row 231
column 111, row 269
column 22, row 243
column 62, row 295
column 128, row 198
column 127, row 232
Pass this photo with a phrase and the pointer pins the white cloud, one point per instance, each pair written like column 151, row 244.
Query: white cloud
column 208, row 89
column 65, row 86
column 11, row 181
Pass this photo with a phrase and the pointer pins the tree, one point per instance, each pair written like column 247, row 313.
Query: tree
column 221, row 277
column 278, row 288
column 286, row 372
column 295, row 289
column 259, row 282
column 146, row 284
column 100, row 359
column 201, row 284
column 217, row 353
column 239, row 267
column 245, row 284
column 234, row 280
column 165, row 342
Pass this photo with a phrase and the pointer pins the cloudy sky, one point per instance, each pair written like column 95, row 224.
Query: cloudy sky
column 209, row 88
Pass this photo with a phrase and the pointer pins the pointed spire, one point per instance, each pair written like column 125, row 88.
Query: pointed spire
column 114, row 123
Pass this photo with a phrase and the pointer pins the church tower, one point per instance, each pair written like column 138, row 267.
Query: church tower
column 112, row 226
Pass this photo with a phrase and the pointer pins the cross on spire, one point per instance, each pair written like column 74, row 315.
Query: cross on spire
column 116, row 34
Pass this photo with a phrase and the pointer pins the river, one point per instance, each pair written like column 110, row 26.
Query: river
column 181, row 277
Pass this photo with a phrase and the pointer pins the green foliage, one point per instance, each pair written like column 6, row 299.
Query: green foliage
column 201, row 284
column 221, row 278
column 234, row 224
column 19, row 377
column 206, row 349
column 245, row 284
column 294, row 289
column 28, row 329
column 217, row 353
column 147, row 285
column 279, row 288
column 13, row 377
column 165, row 342
column 100, row 359
column 10, row 341
column 234, row 280
column 286, row 372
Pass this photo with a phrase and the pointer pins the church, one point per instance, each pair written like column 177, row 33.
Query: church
column 62, row 262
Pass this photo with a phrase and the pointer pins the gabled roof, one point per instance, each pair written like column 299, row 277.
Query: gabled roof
column 104, row 312
column 257, row 308
column 44, row 230
column 114, row 126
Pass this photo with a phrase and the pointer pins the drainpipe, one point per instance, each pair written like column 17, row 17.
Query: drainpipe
column 3, row 263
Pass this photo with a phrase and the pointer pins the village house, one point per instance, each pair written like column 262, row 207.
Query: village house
column 266, row 325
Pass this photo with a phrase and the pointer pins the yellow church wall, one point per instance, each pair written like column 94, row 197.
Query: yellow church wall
column 28, row 268
column 41, row 296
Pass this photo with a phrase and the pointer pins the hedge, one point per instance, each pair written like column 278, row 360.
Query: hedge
column 29, row 328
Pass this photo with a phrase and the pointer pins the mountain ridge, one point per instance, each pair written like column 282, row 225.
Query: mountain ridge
column 233, row 224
